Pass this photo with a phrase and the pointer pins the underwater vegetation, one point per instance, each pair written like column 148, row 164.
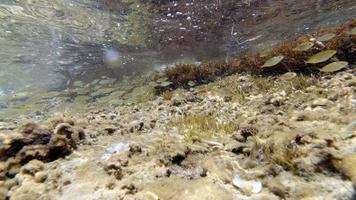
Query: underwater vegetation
column 324, row 51
column 282, row 151
column 203, row 126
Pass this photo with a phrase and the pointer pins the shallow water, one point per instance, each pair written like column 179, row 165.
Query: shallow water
column 51, row 45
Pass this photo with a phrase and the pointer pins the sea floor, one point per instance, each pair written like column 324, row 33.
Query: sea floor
column 241, row 137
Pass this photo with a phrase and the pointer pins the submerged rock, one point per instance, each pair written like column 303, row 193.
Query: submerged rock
column 31, row 191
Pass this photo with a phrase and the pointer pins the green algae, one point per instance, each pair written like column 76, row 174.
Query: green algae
column 326, row 37
column 203, row 126
column 273, row 61
column 334, row 66
column 305, row 46
column 321, row 57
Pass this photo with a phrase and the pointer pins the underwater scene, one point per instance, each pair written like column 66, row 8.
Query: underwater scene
column 177, row 99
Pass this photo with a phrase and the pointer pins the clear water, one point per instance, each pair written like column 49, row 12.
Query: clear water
column 54, row 44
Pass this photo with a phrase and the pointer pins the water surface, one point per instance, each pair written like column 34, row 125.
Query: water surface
column 65, row 45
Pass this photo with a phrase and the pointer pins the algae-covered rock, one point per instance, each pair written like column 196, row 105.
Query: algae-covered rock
column 102, row 92
column 107, row 81
column 33, row 131
column 20, row 96
column 60, row 145
column 28, row 146
column 33, row 144
column 304, row 46
column 50, row 95
column 334, row 66
column 273, row 61
column 117, row 94
column 32, row 167
column 72, row 133
column 114, row 98
column 353, row 31
column 326, row 37
column 78, row 84
column 28, row 92
column 31, row 191
column 81, row 91
column 41, row 176
column 77, row 105
column 34, row 151
column 140, row 94
column 321, row 57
